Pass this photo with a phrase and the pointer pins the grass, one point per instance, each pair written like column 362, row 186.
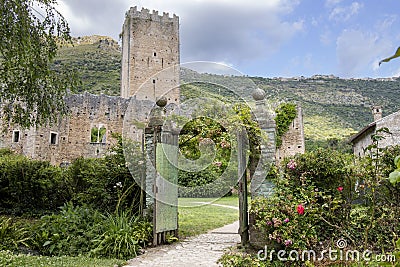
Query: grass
column 7, row 258
column 196, row 218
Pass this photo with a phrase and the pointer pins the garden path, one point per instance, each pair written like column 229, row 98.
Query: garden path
column 203, row 250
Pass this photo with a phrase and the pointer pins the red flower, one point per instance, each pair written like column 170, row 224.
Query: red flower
column 340, row 188
column 300, row 209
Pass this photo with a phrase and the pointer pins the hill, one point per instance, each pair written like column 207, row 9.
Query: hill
column 97, row 60
column 333, row 108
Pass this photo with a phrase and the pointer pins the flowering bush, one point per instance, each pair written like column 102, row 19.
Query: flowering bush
column 285, row 222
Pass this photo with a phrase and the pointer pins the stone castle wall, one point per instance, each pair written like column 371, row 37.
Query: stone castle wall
column 150, row 56
column 70, row 137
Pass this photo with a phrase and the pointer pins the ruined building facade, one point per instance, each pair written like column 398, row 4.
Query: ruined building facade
column 293, row 141
column 150, row 69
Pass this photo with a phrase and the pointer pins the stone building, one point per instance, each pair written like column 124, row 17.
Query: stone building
column 293, row 140
column 150, row 56
column 150, row 69
column 362, row 139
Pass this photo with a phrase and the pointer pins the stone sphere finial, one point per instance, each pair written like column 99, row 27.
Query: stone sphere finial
column 162, row 101
column 258, row 94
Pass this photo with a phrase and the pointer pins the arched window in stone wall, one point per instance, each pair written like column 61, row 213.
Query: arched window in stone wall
column 98, row 134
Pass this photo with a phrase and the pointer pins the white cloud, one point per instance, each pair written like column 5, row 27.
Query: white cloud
column 326, row 38
column 74, row 21
column 344, row 13
column 359, row 51
column 386, row 23
column 215, row 30
column 330, row 3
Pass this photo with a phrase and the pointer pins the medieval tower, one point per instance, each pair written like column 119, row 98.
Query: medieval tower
column 150, row 56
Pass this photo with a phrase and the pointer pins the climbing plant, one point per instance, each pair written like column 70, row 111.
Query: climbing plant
column 285, row 114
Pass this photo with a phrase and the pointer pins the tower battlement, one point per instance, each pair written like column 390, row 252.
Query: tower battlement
column 150, row 55
column 154, row 16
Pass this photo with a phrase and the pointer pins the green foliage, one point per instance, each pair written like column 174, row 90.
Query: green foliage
column 237, row 259
column 213, row 188
column 10, row 259
column 285, row 114
column 396, row 55
column 6, row 152
column 33, row 187
column 98, row 64
column 338, row 144
column 12, row 235
column 30, row 31
column 394, row 177
column 327, row 169
column 96, row 135
column 278, row 219
column 29, row 186
column 122, row 236
column 69, row 232
column 103, row 183
column 210, row 137
column 82, row 230
column 323, row 182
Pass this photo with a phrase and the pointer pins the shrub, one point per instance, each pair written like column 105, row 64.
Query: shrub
column 106, row 183
column 12, row 235
column 29, row 186
column 85, row 231
column 326, row 169
column 69, row 232
column 289, row 218
column 122, row 236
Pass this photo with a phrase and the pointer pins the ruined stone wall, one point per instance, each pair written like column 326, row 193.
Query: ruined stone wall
column 70, row 137
column 293, row 140
column 150, row 62
column 150, row 56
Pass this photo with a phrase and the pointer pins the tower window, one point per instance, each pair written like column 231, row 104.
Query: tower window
column 155, row 54
column 15, row 136
column 154, row 81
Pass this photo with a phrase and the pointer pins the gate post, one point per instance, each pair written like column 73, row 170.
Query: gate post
column 243, row 205
column 260, row 186
column 161, row 175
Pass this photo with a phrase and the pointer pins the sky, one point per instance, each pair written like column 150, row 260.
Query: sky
column 266, row 38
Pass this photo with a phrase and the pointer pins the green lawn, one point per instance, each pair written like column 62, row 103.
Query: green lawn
column 196, row 218
column 17, row 260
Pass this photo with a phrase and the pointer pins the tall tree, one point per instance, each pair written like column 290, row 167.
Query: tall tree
column 32, row 90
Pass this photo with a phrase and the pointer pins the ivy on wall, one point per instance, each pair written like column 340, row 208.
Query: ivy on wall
column 285, row 114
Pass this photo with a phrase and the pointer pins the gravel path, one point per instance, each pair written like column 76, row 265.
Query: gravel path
column 203, row 250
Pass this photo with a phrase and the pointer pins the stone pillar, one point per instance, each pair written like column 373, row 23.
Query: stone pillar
column 260, row 186
column 151, row 138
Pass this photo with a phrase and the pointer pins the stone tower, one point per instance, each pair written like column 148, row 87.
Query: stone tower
column 150, row 56
column 377, row 112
